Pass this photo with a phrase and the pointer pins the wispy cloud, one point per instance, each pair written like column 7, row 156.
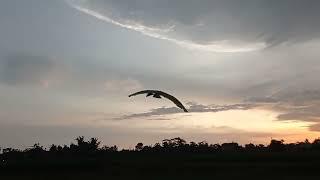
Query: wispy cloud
column 128, row 25
column 193, row 108
column 158, row 33
column 210, row 25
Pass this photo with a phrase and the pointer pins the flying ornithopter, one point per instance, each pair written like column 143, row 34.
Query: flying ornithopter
column 160, row 94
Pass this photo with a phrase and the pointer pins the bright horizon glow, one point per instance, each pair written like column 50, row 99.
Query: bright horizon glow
column 255, row 122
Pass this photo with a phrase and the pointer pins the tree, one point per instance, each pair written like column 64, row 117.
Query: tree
column 230, row 146
column 53, row 148
column 94, row 144
column 139, row 146
column 250, row 147
column 178, row 141
column 157, row 147
column 277, row 146
column 80, row 141
column 316, row 144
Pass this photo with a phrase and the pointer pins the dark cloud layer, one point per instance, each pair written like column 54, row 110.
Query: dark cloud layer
column 207, row 21
column 75, row 76
column 26, row 69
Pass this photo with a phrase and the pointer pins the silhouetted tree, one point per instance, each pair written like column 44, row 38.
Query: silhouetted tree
column 94, row 144
column 250, row 147
column 215, row 147
column 146, row 148
column 53, row 148
column 109, row 149
column 276, row 146
column 230, row 147
column 157, row 147
column 316, row 144
column 139, row 146
column 10, row 150
column 89, row 150
column 178, row 141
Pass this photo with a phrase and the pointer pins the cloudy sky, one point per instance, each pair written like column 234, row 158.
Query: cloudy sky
column 246, row 70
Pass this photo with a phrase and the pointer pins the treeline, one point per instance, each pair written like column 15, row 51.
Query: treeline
column 84, row 155
column 92, row 147
column 169, row 159
column 180, row 145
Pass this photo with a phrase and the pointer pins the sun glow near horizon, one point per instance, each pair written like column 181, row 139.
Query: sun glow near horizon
column 244, row 126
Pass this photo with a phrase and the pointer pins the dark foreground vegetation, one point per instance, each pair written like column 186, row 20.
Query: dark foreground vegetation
column 170, row 159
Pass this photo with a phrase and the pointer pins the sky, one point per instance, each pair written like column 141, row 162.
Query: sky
column 246, row 70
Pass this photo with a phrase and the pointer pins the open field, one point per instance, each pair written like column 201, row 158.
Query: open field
column 136, row 165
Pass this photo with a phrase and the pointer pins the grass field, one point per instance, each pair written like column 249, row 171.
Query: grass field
column 136, row 165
